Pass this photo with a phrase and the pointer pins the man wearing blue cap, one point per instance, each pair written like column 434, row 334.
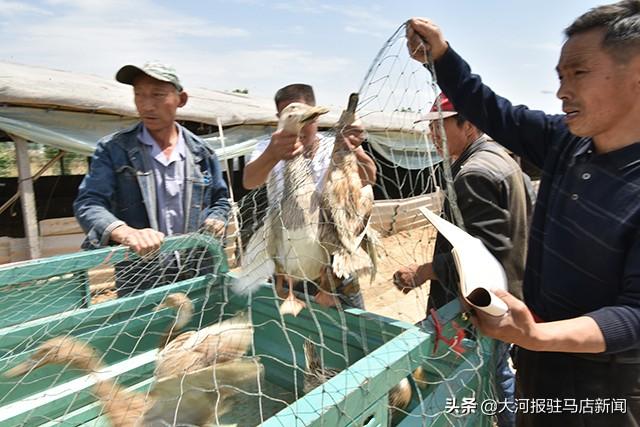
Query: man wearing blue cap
column 152, row 180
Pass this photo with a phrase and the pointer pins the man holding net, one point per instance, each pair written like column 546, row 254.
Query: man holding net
column 493, row 197
column 270, row 154
column 578, row 330
column 152, row 180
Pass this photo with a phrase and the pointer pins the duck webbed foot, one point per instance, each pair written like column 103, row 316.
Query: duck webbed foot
column 291, row 304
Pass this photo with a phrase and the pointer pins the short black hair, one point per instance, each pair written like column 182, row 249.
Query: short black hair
column 295, row 92
column 460, row 120
column 621, row 24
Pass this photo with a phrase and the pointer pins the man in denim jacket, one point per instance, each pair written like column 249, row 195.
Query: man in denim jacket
column 151, row 180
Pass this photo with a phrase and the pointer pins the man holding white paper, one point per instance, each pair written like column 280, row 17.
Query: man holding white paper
column 578, row 335
column 493, row 199
column 495, row 205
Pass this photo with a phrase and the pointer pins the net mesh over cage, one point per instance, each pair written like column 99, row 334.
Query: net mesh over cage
column 105, row 337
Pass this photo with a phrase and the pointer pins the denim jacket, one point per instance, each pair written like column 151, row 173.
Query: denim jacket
column 120, row 187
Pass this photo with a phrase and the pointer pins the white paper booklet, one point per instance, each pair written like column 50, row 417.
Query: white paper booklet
column 478, row 269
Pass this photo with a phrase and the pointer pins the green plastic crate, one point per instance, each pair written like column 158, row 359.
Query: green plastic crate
column 375, row 352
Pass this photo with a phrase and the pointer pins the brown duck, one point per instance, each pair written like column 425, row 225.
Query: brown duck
column 346, row 208
column 185, row 392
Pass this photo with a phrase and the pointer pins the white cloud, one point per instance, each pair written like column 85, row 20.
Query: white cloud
column 244, row 2
column 262, row 70
column 360, row 19
column 299, row 6
column 364, row 18
column 97, row 37
column 88, row 4
column 363, row 31
column 9, row 8
column 98, row 43
column 96, row 23
column 297, row 30
column 109, row 33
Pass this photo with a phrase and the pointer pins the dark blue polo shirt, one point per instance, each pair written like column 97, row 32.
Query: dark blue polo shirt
column 584, row 246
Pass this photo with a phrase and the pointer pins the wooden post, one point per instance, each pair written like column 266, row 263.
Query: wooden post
column 27, row 199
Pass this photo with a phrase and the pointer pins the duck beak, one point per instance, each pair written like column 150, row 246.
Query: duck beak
column 21, row 369
column 313, row 113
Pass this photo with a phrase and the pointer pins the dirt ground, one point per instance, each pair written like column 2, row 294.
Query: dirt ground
column 404, row 248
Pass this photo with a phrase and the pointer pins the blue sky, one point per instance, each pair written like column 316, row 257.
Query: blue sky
column 263, row 45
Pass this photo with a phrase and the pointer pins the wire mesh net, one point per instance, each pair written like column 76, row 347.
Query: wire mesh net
column 106, row 337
